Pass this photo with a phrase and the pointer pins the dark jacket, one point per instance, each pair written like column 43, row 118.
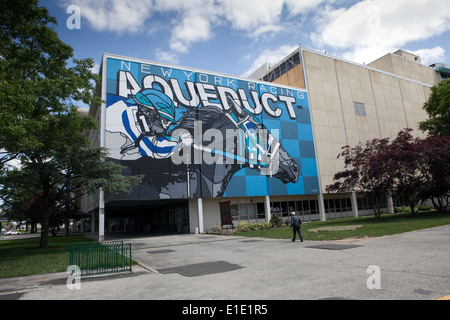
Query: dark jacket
column 296, row 221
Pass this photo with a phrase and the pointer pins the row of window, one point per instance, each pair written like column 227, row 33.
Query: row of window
column 256, row 210
column 287, row 65
column 248, row 211
column 337, row 205
column 284, row 208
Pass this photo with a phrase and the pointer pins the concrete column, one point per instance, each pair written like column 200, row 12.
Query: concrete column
column 200, row 215
column 267, row 208
column 354, row 204
column 101, row 216
column 322, row 215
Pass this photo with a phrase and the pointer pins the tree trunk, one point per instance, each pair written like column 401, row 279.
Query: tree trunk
column 44, row 229
column 376, row 206
column 45, row 215
column 440, row 203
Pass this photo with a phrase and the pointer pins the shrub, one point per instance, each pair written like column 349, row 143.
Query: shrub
column 266, row 225
column 247, row 226
column 216, row 228
column 275, row 221
column 407, row 209
column 244, row 226
column 404, row 209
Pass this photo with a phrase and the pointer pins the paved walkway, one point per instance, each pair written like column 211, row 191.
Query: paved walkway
column 407, row 266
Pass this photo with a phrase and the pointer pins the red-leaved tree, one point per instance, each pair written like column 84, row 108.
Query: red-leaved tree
column 363, row 172
column 409, row 168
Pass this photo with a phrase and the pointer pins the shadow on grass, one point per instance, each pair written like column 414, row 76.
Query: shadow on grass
column 23, row 257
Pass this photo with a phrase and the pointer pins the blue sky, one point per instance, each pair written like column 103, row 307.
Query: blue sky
column 237, row 36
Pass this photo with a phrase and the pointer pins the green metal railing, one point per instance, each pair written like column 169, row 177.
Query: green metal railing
column 101, row 258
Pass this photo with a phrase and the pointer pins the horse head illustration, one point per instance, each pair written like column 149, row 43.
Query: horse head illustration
column 251, row 146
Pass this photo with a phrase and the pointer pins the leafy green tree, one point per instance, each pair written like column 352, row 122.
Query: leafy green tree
column 39, row 123
column 435, row 164
column 438, row 109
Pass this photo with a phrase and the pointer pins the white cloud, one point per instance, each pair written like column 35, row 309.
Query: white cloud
column 125, row 16
column 430, row 56
column 296, row 7
column 192, row 21
column 361, row 32
column 197, row 19
column 165, row 56
column 371, row 28
column 271, row 56
column 250, row 15
column 192, row 28
column 268, row 29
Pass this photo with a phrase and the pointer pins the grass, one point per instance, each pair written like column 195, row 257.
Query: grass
column 21, row 257
column 360, row 227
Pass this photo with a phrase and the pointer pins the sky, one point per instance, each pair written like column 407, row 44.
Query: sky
column 235, row 37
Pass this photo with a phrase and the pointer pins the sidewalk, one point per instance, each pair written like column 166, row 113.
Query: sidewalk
column 412, row 266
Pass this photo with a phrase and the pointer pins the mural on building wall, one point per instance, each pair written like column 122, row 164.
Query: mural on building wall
column 195, row 134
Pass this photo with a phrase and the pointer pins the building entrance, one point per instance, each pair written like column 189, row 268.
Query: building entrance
column 157, row 216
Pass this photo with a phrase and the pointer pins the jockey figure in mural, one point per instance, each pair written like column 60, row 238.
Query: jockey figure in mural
column 154, row 115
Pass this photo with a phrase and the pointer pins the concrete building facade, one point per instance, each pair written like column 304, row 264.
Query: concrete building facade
column 315, row 103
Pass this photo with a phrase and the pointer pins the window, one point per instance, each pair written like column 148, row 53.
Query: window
column 276, row 208
column 283, row 68
column 314, row 207
column 291, row 206
column 235, row 211
column 338, row 205
column 306, row 207
column 251, row 208
column 243, row 211
column 364, row 204
column 261, row 210
column 284, row 209
column 248, row 211
column 360, row 109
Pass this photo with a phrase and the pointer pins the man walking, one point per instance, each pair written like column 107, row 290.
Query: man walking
column 295, row 224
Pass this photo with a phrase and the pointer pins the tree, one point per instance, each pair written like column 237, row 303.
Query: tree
column 362, row 172
column 409, row 168
column 34, row 79
column 31, row 211
column 436, row 166
column 402, row 163
column 438, row 109
column 39, row 123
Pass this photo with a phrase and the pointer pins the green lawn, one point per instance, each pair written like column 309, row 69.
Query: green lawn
column 357, row 227
column 21, row 257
